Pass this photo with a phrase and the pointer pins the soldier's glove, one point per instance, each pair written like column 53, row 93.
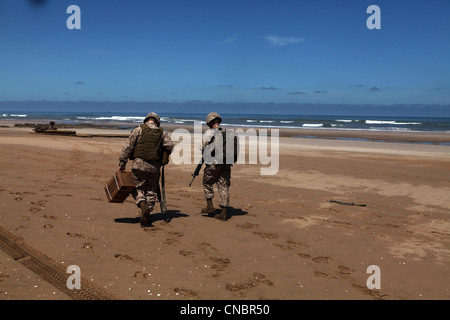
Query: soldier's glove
column 122, row 165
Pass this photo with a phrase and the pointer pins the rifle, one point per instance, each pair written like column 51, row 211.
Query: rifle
column 200, row 164
column 197, row 171
column 162, row 189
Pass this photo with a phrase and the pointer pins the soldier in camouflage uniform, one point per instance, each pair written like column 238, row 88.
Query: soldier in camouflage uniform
column 145, row 146
column 215, row 173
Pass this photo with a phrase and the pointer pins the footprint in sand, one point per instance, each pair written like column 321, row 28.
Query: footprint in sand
column 185, row 292
column 220, row 265
column 141, row 275
column 175, row 237
column 186, row 253
column 18, row 195
column 344, row 270
column 88, row 246
column 176, row 234
column 221, row 261
column 266, row 235
column 304, row 255
column 240, row 286
column 289, row 245
column 374, row 293
column 38, row 206
column 35, row 209
column 247, row 225
column 3, row 276
column 75, row 235
column 207, row 246
column 321, row 259
column 320, row 274
column 171, row 241
column 257, row 278
column 124, row 257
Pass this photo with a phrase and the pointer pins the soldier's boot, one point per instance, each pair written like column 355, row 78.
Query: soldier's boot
column 223, row 214
column 145, row 213
column 209, row 209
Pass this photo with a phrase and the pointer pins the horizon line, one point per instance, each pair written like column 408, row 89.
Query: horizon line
column 230, row 103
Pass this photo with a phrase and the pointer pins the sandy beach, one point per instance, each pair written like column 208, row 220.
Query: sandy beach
column 334, row 208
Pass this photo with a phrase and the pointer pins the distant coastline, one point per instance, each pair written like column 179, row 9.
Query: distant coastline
column 121, row 128
column 326, row 122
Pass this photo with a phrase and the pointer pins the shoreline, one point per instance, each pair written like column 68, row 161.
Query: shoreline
column 122, row 129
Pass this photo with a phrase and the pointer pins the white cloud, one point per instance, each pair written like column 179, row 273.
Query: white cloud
column 282, row 41
column 231, row 39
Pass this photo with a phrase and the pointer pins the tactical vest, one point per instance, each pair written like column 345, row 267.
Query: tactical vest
column 149, row 144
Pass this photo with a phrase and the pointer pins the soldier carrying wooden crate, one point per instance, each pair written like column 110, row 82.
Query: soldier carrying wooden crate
column 149, row 146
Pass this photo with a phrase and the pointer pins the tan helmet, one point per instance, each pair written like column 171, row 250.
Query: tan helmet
column 154, row 116
column 213, row 116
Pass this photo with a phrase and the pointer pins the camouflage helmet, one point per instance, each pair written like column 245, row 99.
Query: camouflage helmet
column 212, row 116
column 153, row 116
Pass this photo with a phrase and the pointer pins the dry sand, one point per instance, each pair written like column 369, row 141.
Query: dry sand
column 284, row 239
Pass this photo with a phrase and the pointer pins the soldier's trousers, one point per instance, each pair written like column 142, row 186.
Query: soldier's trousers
column 219, row 174
column 146, row 186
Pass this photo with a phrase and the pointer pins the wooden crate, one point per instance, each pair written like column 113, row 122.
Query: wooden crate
column 119, row 187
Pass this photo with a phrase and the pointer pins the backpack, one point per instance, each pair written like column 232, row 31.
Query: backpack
column 230, row 146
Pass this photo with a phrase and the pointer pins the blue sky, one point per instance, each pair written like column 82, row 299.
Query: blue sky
column 284, row 51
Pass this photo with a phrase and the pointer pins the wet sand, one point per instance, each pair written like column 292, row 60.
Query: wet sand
column 289, row 236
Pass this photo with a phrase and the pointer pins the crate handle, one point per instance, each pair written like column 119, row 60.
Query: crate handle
column 115, row 179
column 107, row 189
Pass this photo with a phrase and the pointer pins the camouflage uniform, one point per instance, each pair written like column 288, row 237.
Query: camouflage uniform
column 146, row 174
column 219, row 174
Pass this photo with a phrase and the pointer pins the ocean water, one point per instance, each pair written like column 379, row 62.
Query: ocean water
column 130, row 120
